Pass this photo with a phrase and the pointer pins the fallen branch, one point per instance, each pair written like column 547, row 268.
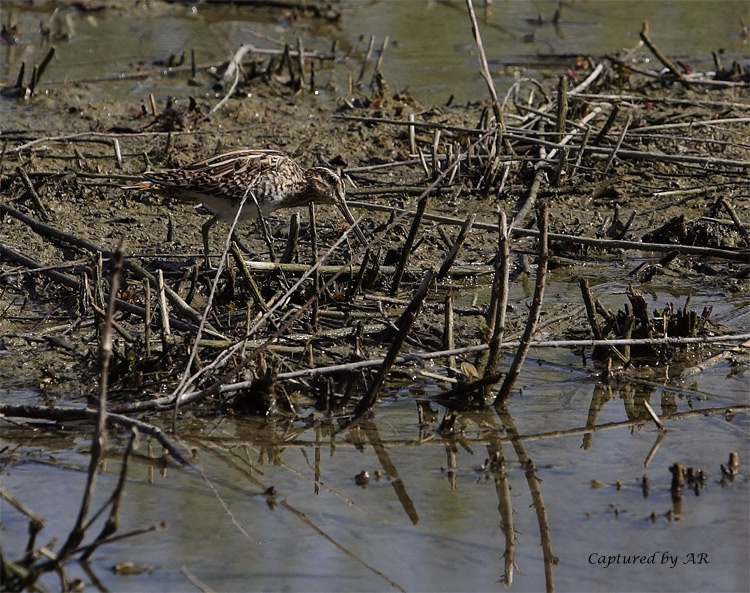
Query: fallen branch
column 740, row 256
column 66, row 414
column 51, row 232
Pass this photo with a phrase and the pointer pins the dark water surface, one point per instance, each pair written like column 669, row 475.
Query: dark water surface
column 431, row 49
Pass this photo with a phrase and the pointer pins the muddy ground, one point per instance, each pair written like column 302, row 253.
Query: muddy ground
column 65, row 139
column 645, row 190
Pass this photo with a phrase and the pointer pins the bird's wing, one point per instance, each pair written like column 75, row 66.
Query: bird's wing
column 228, row 175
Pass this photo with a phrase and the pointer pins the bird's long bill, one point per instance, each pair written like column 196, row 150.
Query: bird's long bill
column 341, row 204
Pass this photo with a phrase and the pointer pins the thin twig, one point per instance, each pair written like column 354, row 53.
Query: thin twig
column 485, row 69
column 534, row 310
column 453, row 253
column 673, row 68
column 740, row 256
column 99, row 440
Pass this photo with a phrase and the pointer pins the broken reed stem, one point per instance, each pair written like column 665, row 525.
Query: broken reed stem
column 735, row 219
column 485, row 69
column 498, row 301
column 147, row 317
column 20, row 77
column 316, row 273
column 412, row 136
column 562, row 106
column 98, row 267
column 448, row 336
column 118, row 153
column 605, row 128
column 99, row 440
column 408, row 244
column 300, row 60
column 366, row 61
column 379, row 62
column 435, row 148
column 356, row 282
column 562, row 161
column 163, row 310
column 611, row 158
column 673, row 68
column 35, row 199
column 588, row 300
column 451, row 257
column 528, row 204
column 534, row 310
column 404, row 324
column 252, row 286
column 38, row 70
column 292, row 240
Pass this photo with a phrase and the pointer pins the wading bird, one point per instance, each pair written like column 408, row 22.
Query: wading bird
column 269, row 180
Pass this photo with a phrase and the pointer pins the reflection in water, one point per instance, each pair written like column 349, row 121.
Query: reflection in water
column 550, row 560
column 277, row 502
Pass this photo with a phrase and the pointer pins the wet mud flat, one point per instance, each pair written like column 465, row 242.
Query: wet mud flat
column 478, row 215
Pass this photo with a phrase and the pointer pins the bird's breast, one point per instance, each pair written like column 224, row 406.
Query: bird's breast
column 226, row 208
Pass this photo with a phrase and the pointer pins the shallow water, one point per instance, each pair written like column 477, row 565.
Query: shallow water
column 431, row 50
column 431, row 521
column 420, row 525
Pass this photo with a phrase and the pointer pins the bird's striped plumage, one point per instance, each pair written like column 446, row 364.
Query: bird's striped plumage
column 268, row 178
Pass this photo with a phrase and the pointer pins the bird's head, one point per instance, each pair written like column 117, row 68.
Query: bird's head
column 326, row 185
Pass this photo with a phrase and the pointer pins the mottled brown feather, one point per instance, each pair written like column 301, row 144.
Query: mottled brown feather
column 268, row 177
column 221, row 181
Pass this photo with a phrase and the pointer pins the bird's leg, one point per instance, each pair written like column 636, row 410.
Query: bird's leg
column 241, row 244
column 266, row 235
column 204, row 231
